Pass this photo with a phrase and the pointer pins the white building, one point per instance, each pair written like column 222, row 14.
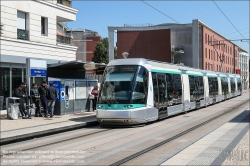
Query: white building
column 244, row 67
column 30, row 30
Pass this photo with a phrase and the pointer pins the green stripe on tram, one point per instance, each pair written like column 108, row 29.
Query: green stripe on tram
column 119, row 106
column 212, row 75
column 194, row 74
column 165, row 71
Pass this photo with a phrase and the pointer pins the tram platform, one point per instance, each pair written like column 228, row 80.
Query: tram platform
column 227, row 145
column 21, row 129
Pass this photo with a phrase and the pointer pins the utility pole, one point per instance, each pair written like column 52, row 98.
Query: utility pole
column 221, row 57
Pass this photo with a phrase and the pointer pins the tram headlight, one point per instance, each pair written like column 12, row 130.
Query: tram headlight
column 99, row 106
column 127, row 106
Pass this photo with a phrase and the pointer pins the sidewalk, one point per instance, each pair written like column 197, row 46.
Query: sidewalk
column 12, row 130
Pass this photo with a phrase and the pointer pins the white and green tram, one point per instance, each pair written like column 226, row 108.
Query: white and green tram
column 136, row 90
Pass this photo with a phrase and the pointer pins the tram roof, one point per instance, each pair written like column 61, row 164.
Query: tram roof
column 159, row 64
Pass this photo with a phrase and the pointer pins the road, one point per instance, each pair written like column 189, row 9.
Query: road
column 151, row 144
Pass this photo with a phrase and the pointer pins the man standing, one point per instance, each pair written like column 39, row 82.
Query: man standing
column 51, row 96
column 35, row 96
column 43, row 91
column 19, row 93
column 24, row 87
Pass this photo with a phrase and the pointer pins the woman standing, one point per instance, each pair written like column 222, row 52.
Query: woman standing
column 95, row 93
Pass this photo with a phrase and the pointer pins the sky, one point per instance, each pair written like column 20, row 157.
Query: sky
column 98, row 15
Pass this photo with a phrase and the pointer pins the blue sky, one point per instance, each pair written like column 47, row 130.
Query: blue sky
column 98, row 15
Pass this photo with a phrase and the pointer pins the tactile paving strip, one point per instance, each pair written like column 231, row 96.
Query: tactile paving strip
column 218, row 148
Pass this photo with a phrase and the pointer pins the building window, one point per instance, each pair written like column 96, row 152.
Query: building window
column 22, row 32
column 44, row 26
column 205, row 38
column 209, row 53
column 205, row 52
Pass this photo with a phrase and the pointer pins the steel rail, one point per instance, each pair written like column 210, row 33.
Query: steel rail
column 137, row 154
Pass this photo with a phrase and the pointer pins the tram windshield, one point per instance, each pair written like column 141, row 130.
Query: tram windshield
column 124, row 85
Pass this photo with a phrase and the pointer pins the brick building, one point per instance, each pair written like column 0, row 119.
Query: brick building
column 195, row 45
column 86, row 41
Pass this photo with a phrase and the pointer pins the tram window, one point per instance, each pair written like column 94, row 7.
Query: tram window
column 196, row 87
column 139, row 95
column 174, row 88
column 162, row 88
column 200, row 87
column 239, row 84
column 192, row 87
column 232, row 83
column 155, row 87
column 224, row 82
column 213, row 86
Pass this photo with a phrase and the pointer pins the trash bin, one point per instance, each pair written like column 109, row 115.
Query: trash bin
column 1, row 102
column 12, row 107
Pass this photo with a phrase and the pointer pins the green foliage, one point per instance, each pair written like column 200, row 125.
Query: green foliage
column 101, row 53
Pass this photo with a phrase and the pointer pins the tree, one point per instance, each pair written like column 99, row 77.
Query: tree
column 101, row 53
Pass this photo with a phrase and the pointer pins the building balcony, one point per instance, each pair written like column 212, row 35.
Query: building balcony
column 22, row 34
column 65, row 2
column 63, row 39
column 178, row 48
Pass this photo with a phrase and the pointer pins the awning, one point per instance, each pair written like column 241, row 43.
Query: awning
column 78, row 65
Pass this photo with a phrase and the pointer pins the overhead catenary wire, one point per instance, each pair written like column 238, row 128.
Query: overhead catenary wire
column 228, row 19
column 183, row 24
column 236, row 31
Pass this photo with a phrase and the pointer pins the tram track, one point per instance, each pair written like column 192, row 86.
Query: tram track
column 112, row 145
column 132, row 157
column 58, row 141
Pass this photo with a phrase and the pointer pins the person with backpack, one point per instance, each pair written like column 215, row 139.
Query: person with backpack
column 20, row 94
column 43, row 91
column 35, row 96
column 51, row 97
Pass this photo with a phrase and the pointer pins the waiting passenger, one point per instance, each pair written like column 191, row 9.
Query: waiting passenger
column 95, row 93
column 43, row 91
column 35, row 96
column 20, row 93
column 51, row 97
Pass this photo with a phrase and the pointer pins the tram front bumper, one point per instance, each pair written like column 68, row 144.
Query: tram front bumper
column 121, row 117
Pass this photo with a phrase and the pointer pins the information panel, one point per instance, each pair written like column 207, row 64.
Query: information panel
column 81, row 90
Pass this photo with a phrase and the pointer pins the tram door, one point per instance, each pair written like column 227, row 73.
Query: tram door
column 162, row 95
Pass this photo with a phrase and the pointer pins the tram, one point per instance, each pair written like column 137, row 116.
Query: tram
column 137, row 91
